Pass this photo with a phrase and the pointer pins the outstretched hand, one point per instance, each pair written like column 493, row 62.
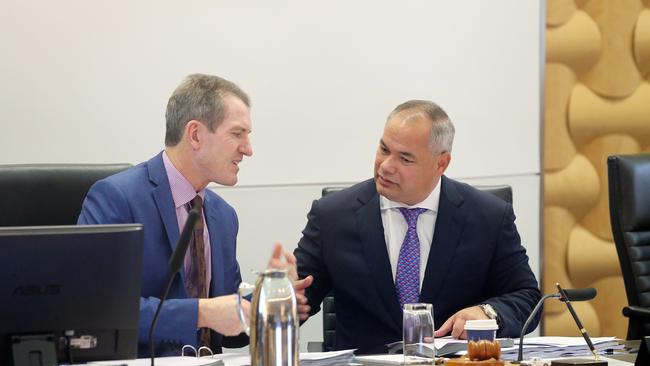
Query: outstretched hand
column 456, row 324
column 283, row 259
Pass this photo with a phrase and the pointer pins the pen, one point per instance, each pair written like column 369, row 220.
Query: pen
column 565, row 298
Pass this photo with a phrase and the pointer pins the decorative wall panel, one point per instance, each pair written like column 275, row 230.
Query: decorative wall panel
column 597, row 103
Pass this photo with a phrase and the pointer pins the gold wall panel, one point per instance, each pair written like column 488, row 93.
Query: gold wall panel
column 642, row 43
column 575, row 187
column 591, row 116
column 576, row 43
column 587, row 252
column 564, row 324
column 616, row 20
column 597, row 219
column 557, row 91
column 558, row 223
column 559, row 11
column 611, row 293
column 597, row 103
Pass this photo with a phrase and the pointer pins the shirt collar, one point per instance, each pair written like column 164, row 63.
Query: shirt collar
column 430, row 203
column 182, row 190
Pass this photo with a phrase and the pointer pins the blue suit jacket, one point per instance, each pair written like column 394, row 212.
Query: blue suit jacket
column 142, row 195
column 476, row 257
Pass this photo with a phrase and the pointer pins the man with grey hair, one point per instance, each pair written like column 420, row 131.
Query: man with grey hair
column 413, row 235
column 207, row 136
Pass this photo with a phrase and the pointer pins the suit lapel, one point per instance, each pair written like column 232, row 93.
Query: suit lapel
column 216, row 237
column 371, row 230
column 449, row 225
column 162, row 195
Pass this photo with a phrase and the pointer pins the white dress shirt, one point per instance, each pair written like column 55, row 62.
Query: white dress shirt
column 395, row 227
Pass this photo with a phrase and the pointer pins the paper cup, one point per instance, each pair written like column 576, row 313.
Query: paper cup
column 481, row 329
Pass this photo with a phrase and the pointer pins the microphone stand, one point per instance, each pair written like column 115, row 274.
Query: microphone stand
column 520, row 356
column 175, row 264
column 565, row 296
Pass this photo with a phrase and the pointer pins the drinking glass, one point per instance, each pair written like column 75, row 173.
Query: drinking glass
column 418, row 328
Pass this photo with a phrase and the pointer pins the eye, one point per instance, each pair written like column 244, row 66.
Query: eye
column 406, row 160
column 383, row 149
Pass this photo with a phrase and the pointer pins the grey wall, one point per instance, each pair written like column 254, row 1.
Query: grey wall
column 88, row 81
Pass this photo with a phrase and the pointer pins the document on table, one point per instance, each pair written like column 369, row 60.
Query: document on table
column 233, row 359
column 554, row 347
column 447, row 346
column 162, row 361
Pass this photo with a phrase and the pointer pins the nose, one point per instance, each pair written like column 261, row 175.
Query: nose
column 246, row 148
column 387, row 166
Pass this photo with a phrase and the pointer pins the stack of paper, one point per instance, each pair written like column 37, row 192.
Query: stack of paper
column 306, row 359
column 326, row 358
column 555, row 347
column 447, row 346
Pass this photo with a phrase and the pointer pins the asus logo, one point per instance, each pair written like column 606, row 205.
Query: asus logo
column 35, row 290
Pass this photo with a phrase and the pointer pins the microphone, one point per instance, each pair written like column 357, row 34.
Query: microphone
column 175, row 264
column 564, row 295
column 577, row 294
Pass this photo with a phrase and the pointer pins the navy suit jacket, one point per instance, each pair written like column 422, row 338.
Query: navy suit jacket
column 476, row 257
column 142, row 195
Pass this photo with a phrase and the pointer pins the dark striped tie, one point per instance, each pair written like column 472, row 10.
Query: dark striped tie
column 195, row 283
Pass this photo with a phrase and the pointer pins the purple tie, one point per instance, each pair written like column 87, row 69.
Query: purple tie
column 407, row 279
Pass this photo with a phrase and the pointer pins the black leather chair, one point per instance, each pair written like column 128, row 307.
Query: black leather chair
column 629, row 208
column 329, row 309
column 47, row 194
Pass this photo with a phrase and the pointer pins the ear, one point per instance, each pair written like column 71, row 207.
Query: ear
column 443, row 162
column 192, row 133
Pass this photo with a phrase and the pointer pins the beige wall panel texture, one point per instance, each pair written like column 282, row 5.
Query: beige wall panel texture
column 597, row 219
column 564, row 324
column 597, row 103
column 616, row 20
column 557, row 90
column 576, row 43
column 591, row 116
column 611, row 294
column 558, row 223
column 575, row 187
column 642, row 43
column 587, row 252
column 559, row 11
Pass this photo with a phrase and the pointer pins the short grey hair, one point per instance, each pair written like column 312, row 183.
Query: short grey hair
column 442, row 130
column 199, row 97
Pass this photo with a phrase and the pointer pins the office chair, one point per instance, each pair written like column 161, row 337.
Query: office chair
column 329, row 309
column 47, row 194
column 629, row 211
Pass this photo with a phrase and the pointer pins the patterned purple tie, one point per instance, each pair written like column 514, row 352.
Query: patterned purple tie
column 407, row 278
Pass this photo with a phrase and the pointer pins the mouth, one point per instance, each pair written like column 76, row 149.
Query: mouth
column 384, row 182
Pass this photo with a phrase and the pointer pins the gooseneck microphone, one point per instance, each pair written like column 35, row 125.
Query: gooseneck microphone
column 175, row 264
column 578, row 294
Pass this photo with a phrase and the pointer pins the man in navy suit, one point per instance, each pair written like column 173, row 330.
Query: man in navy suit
column 207, row 136
column 413, row 235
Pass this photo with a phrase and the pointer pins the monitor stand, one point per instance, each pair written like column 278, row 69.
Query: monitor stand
column 34, row 350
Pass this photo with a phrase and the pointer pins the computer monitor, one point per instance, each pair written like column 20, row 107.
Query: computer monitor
column 76, row 285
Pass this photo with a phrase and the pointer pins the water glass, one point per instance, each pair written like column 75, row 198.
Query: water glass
column 418, row 328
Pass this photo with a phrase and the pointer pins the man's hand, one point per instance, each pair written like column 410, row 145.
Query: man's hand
column 221, row 315
column 290, row 264
column 301, row 299
column 456, row 324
